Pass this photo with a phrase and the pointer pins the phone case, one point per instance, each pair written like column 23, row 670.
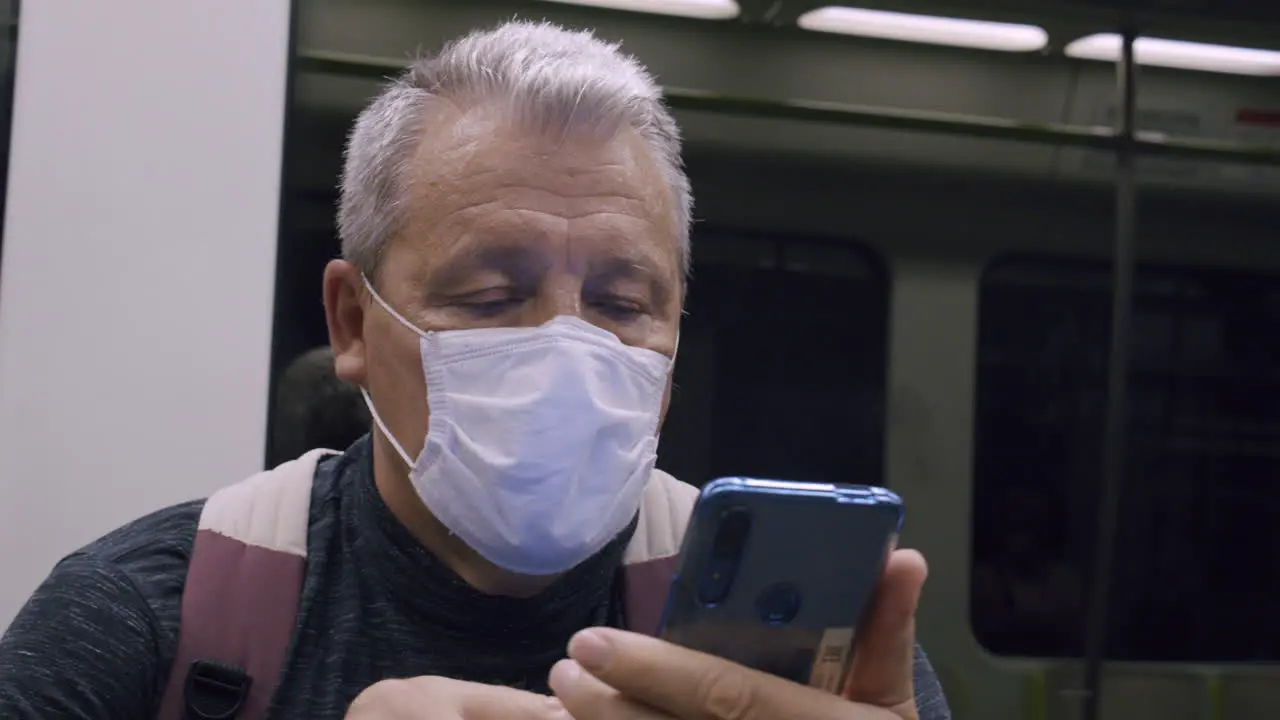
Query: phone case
column 807, row 567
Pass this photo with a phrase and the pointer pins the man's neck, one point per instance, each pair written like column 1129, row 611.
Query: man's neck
column 392, row 481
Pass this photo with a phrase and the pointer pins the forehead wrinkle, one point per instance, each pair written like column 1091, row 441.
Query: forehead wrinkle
column 533, row 169
column 491, row 176
column 528, row 196
column 458, row 137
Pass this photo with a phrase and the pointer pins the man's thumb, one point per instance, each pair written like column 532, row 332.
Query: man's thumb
column 884, row 650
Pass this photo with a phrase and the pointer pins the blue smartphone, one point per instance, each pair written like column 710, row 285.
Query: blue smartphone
column 777, row 575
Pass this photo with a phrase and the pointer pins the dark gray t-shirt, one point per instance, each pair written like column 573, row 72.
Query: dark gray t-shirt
column 96, row 640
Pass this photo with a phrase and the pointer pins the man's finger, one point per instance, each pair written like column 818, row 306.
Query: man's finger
column 585, row 696
column 692, row 685
column 476, row 701
column 881, row 673
column 445, row 697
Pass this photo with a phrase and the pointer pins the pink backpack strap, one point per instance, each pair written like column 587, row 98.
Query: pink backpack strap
column 650, row 559
column 240, row 602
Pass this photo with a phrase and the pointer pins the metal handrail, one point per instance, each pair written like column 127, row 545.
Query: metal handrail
column 1115, row 435
column 1149, row 144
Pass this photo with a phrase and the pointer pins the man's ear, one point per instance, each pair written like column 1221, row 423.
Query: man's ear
column 344, row 308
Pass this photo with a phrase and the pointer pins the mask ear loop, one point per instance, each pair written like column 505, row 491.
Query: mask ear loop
column 377, row 420
column 390, row 310
column 368, row 401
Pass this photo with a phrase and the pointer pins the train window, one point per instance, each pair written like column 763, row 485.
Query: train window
column 1196, row 549
column 782, row 362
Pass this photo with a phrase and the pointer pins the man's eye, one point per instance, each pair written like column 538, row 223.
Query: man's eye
column 618, row 309
column 491, row 308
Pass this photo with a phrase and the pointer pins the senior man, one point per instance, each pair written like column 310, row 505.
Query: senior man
column 515, row 222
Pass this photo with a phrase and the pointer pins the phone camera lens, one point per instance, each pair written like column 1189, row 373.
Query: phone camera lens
column 726, row 552
column 779, row 604
column 735, row 523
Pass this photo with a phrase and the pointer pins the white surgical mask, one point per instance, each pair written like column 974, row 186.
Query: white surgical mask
column 540, row 440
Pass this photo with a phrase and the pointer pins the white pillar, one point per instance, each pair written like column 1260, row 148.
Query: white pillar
column 138, row 272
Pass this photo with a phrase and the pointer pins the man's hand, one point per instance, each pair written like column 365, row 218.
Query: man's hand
column 615, row 675
column 437, row 698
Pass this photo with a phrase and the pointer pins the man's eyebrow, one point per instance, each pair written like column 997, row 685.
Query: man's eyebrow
column 634, row 267
column 511, row 259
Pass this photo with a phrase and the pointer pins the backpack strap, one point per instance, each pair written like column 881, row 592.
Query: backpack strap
column 244, row 584
column 650, row 558
column 240, row 602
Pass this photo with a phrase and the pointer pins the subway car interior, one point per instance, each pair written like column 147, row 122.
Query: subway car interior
column 909, row 259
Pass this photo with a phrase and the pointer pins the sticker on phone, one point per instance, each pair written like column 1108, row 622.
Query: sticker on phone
column 832, row 660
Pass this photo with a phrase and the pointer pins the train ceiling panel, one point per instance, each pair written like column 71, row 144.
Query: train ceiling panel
column 742, row 87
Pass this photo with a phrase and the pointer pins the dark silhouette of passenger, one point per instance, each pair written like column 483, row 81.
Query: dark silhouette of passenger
column 314, row 409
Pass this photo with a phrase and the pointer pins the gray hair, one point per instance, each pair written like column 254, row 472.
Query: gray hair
column 555, row 78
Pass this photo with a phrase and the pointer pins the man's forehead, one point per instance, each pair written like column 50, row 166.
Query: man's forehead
column 484, row 193
column 460, row 148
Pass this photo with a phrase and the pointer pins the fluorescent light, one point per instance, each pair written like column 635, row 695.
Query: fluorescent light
column 701, row 9
column 929, row 29
column 1180, row 54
